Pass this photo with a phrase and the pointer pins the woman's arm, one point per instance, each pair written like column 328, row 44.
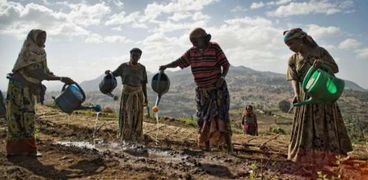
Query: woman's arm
column 295, row 86
column 173, row 64
column 144, row 87
column 326, row 60
column 40, row 74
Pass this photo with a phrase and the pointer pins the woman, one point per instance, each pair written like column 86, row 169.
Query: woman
column 249, row 121
column 318, row 132
column 209, row 67
column 24, row 89
column 133, row 98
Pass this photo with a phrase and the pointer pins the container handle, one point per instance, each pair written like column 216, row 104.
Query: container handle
column 81, row 90
column 307, row 77
column 305, row 102
column 158, row 84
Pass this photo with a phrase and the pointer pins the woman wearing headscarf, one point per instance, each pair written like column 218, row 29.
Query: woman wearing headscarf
column 24, row 89
column 133, row 98
column 209, row 67
column 249, row 121
column 318, row 132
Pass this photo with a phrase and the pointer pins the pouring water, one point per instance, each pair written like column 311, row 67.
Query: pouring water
column 156, row 115
column 160, row 84
column 95, row 129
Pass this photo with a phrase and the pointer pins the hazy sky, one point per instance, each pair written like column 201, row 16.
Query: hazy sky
column 87, row 37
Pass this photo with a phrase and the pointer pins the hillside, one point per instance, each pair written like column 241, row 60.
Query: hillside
column 247, row 86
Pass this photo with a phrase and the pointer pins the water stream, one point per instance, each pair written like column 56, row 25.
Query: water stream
column 156, row 115
column 95, row 129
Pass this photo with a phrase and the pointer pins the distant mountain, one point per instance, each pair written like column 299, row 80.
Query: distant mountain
column 91, row 85
column 353, row 86
column 264, row 90
column 239, row 76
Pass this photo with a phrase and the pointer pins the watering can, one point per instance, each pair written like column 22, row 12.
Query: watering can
column 160, row 84
column 108, row 84
column 321, row 86
column 2, row 106
column 71, row 98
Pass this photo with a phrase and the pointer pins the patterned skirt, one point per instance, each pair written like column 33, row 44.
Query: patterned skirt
column 318, row 133
column 213, row 115
column 250, row 129
column 20, row 119
column 131, row 114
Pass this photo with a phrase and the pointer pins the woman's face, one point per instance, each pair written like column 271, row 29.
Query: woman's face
column 295, row 45
column 199, row 42
column 135, row 56
column 41, row 39
column 249, row 109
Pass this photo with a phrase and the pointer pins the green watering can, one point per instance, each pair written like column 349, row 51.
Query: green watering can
column 321, row 86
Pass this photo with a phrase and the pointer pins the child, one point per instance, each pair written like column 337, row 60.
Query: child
column 249, row 121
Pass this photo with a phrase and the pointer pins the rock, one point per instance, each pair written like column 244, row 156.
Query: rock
column 228, row 160
column 64, row 157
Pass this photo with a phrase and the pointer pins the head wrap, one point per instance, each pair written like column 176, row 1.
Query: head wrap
column 136, row 50
column 31, row 53
column 198, row 33
column 246, row 113
column 298, row 33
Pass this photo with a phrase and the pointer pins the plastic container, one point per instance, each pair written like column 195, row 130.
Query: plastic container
column 71, row 98
column 321, row 86
column 160, row 84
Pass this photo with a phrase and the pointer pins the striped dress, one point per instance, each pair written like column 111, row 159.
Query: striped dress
column 212, row 102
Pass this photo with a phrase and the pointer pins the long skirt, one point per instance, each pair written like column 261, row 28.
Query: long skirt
column 250, row 129
column 213, row 115
column 318, row 134
column 131, row 114
column 20, row 119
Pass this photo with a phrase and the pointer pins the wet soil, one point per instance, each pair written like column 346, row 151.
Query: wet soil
column 69, row 151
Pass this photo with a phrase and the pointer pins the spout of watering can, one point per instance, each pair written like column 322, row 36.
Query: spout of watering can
column 113, row 96
column 96, row 108
column 306, row 102
column 158, row 99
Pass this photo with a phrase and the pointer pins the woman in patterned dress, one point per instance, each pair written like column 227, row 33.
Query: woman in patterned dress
column 319, row 132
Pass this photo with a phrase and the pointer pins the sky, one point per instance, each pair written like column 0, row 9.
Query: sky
column 85, row 38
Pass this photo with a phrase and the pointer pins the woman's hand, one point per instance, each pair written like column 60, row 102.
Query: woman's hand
column 162, row 68
column 145, row 102
column 66, row 80
column 295, row 99
column 220, row 82
column 317, row 63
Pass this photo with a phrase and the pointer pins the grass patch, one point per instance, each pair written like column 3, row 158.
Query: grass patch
column 188, row 121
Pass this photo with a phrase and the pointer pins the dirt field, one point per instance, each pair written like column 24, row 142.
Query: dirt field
column 76, row 146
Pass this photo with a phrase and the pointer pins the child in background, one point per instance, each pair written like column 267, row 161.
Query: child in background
column 249, row 121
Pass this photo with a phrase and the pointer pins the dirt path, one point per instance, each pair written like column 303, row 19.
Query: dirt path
column 70, row 151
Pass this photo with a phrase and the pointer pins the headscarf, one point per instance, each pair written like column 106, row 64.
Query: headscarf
column 247, row 113
column 199, row 32
column 136, row 50
column 31, row 53
column 298, row 33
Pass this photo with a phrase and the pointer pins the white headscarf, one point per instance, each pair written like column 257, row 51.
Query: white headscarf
column 31, row 53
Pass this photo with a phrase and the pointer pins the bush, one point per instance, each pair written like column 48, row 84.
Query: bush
column 357, row 130
column 284, row 106
column 277, row 130
column 107, row 110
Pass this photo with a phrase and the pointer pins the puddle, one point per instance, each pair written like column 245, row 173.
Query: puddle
column 79, row 144
column 136, row 150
